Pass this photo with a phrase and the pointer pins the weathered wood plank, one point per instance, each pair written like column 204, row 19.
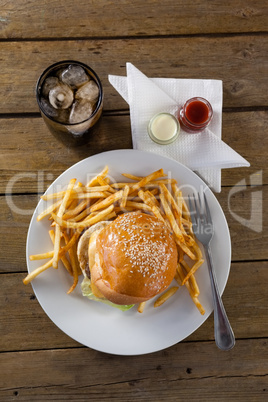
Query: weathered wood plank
column 31, row 329
column 14, row 222
column 188, row 371
column 240, row 61
column 31, row 158
column 106, row 18
column 213, row 40
column 246, row 215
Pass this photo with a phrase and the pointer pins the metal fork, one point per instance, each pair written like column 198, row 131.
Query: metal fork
column 203, row 230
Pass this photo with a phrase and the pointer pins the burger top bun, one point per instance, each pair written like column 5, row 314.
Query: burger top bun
column 136, row 258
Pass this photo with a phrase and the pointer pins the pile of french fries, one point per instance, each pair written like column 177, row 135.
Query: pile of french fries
column 80, row 206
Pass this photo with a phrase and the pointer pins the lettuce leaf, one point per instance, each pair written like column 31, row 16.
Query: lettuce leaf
column 87, row 292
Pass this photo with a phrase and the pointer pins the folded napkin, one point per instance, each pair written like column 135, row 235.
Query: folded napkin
column 203, row 152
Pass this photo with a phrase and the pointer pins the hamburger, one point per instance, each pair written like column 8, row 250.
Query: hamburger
column 127, row 261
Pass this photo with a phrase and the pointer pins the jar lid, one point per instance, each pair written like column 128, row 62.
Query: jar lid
column 163, row 128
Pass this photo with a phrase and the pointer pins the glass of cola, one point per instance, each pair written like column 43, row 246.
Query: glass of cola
column 70, row 98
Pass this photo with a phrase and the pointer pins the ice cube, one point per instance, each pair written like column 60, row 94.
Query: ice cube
column 81, row 110
column 61, row 115
column 74, row 76
column 89, row 91
column 49, row 83
column 61, row 96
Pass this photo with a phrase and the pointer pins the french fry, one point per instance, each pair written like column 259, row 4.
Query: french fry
column 141, row 307
column 48, row 264
column 109, row 216
column 151, row 195
column 199, row 305
column 75, row 267
column 152, row 182
column 79, row 208
column 132, row 177
column 84, row 224
column 156, row 211
column 64, row 259
column 73, row 203
column 43, row 256
column 124, row 196
column 94, row 180
column 171, row 219
column 178, row 199
column 37, row 271
column 192, row 280
column 57, row 228
column 60, row 194
column 145, row 180
column 91, row 220
column 185, row 249
column 146, row 198
column 122, row 185
column 48, row 211
column 181, row 276
column 72, row 241
column 197, row 250
column 87, row 196
column 194, row 268
column 48, row 197
column 149, row 199
column 138, row 205
column 193, row 297
column 83, row 215
column 103, row 183
column 107, row 201
column 165, row 296
column 104, row 187
column 118, row 210
column 170, row 198
column 185, row 211
column 155, row 183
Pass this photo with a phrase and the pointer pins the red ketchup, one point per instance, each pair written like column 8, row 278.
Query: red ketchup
column 195, row 115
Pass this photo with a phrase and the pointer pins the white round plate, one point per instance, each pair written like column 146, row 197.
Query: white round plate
column 105, row 328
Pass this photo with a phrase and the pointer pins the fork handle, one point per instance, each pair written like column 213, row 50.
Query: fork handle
column 224, row 336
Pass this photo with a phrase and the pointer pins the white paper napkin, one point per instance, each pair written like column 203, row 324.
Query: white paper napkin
column 204, row 152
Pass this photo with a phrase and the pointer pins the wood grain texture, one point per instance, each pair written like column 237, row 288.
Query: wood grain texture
column 188, row 371
column 31, row 329
column 201, row 39
column 137, row 18
column 240, row 61
column 31, row 158
column 248, row 242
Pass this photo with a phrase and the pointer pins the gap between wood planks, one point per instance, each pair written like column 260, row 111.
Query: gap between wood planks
column 125, row 112
column 136, row 37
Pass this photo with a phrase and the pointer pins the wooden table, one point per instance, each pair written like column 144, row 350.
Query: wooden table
column 210, row 40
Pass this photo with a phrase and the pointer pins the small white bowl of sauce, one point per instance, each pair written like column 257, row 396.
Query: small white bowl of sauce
column 163, row 128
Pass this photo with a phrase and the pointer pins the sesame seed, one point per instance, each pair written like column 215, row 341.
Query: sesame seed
column 145, row 251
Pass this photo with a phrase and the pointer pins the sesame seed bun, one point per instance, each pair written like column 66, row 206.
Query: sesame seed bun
column 136, row 259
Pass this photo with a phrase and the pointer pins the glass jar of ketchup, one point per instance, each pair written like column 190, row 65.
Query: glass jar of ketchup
column 195, row 115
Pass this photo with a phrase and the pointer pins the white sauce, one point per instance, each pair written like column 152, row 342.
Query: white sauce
column 163, row 128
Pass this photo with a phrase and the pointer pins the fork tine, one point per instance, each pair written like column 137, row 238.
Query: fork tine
column 199, row 199
column 191, row 209
column 209, row 220
column 200, row 207
column 197, row 210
